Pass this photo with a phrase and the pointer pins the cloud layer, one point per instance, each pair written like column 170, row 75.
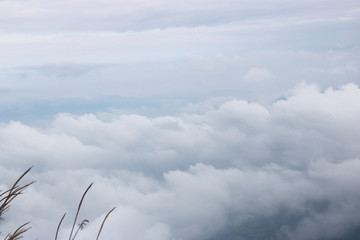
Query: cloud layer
column 199, row 174
column 110, row 15
column 87, row 51
column 185, row 116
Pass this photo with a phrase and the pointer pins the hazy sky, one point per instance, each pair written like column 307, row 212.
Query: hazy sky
column 198, row 120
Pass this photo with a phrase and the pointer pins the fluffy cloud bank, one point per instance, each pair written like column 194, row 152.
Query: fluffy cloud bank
column 236, row 169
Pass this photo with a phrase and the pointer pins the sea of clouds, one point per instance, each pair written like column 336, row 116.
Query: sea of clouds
column 214, row 171
column 169, row 108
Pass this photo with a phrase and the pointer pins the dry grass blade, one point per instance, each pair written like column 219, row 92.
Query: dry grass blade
column 18, row 232
column 102, row 224
column 81, row 226
column 13, row 192
column 78, row 210
column 6, row 198
column 58, row 227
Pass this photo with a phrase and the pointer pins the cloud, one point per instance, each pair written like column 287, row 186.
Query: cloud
column 258, row 75
column 55, row 32
column 64, row 16
column 189, row 78
column 198, row 175
column 51, row 50
column 169, row 108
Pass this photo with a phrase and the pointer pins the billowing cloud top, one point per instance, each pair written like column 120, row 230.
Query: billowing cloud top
column 200, row 175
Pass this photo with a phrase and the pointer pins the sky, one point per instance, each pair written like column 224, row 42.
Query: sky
column 197, row 120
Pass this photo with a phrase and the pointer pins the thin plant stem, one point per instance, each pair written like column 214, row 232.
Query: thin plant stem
column 78, row 210
column 81, row 226
column 102, row 224
column 18, row 232
column 58, row 227
column 13, row 192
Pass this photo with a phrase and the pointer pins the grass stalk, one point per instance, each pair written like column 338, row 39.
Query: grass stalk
column 9, row 195
column 58, row 227
column 103, row 222
column 81, row 226
column 18, row 232
column 78, row 210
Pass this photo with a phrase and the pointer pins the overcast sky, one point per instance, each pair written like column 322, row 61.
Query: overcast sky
column 198, row 120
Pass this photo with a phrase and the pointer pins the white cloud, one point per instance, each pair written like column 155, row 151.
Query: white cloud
column 196, row 175
column 258, row 75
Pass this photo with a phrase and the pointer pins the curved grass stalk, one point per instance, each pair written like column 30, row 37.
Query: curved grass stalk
column 102, row 224
column 78, row 210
